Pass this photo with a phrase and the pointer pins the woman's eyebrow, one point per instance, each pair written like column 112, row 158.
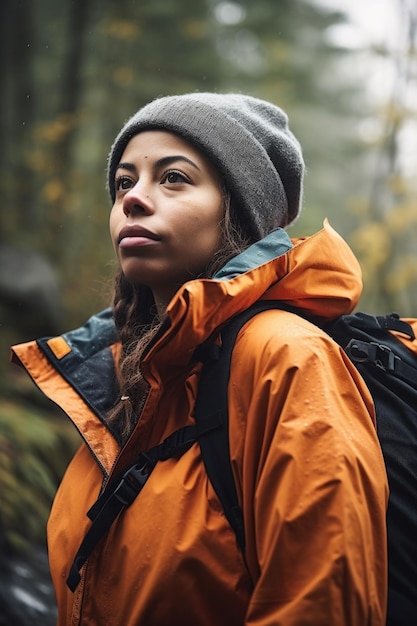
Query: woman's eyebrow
column 126, row 166
column 162, row 162
column 168, row 160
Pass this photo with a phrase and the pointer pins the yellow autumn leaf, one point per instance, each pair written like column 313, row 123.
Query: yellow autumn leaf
column 122, row 29
column 402, row 217
column 123, row 76
column 53, row 191
column 195, row 29
column 55, row 130
column 372, row 243
column 403, row 276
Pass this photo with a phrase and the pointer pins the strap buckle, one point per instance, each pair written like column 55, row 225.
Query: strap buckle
column 385, row 358
column 382, row 356
column 132, row 482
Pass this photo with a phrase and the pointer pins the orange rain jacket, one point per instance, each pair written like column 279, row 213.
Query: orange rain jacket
column 306, row 459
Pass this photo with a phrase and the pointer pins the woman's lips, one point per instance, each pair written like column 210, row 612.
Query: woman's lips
column 136, row 236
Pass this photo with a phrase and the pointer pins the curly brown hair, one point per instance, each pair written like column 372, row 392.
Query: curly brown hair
column 137, row 322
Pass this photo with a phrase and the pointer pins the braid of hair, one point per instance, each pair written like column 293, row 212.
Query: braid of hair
column 135, row 319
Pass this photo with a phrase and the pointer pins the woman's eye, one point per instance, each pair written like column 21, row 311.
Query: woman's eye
column 174, row 177
column 123, row 183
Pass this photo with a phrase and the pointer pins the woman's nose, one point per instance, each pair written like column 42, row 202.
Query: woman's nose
column 137, row 200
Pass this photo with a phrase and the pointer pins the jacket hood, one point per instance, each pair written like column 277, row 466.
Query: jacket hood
column 318, row 274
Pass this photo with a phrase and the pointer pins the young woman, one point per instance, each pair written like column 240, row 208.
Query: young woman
column 202, row 186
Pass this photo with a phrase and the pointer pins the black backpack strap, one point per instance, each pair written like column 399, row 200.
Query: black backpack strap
column 117, row 498
column 366, row 339
column 212, row 404
column 394, row 322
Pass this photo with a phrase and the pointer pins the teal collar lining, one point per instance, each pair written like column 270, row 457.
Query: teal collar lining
column 273, row 245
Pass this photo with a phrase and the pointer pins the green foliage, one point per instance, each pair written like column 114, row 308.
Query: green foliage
column 386, row 246
column 34, row 450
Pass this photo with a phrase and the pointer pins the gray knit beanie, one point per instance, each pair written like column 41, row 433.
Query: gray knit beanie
column 248, row 141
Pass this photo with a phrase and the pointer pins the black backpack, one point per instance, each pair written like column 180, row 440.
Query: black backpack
column 390, row 372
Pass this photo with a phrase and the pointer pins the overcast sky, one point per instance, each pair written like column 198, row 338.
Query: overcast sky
column 384, row 24
column 373, row 21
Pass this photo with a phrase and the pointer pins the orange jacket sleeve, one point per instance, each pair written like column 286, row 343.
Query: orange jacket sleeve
column 312, row 478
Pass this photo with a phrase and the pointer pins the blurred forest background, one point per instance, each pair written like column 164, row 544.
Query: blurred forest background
column 71, row 73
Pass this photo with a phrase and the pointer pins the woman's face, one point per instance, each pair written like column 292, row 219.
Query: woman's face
column 165, row 221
